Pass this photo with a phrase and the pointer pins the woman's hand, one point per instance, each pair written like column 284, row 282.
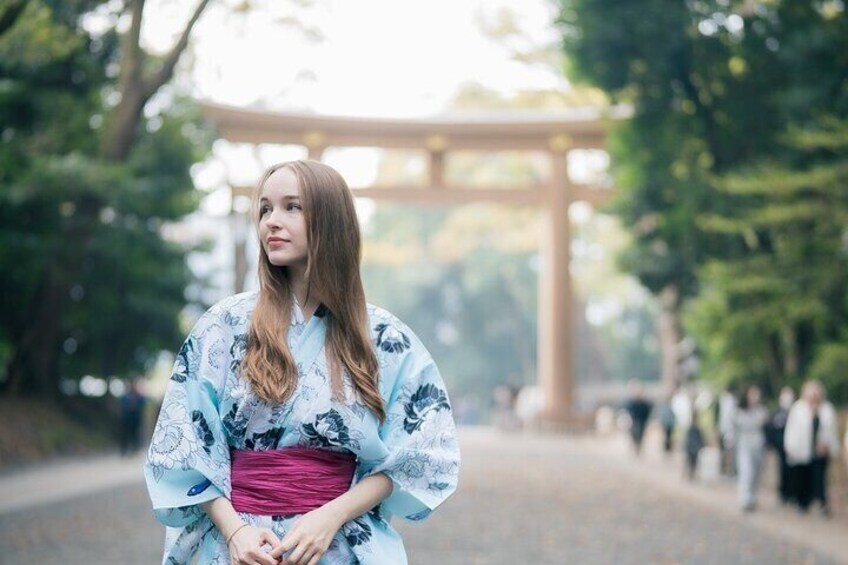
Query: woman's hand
column 309, row 537
column 246, row 546
column 311, row 534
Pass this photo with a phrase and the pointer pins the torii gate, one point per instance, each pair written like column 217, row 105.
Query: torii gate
column 556, row 134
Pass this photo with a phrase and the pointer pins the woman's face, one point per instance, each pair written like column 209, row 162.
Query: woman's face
column 754, row 396
column 813, row 394
column 282, row 228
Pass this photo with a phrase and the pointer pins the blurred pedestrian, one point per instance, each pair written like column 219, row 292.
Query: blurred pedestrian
column 505, row 418
column 682, row 405
column 775, row 432
column 810, row 441
column 726, row 413
column 132, row 411
column 639, row 410
column 749, row 437
column 529, row 404
column 465, row 411
column 667, row 421
column 693, row 445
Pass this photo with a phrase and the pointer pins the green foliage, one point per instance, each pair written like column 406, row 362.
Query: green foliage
column 829, row 367
column 95, row 288
column 688, row 123
column 732, row 173
column 628, row 343
column 785, row 304
column 465, row 279
column 448, row 293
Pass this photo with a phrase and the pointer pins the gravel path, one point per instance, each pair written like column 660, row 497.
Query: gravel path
column 521, row 500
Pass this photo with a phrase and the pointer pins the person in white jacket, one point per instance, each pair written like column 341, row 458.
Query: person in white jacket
column 811, row 440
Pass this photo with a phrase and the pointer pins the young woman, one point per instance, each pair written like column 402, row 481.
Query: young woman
column 750, row 439
column 299, row 419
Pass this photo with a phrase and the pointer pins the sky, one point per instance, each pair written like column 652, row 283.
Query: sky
column 381, row 58
column 352, row 57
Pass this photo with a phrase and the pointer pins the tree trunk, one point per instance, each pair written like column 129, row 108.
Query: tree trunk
column 119, row 137
column 776, row 356
column 805, row 340
column 670, row 336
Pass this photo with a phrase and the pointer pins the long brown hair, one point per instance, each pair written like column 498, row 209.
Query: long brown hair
column 332, row 272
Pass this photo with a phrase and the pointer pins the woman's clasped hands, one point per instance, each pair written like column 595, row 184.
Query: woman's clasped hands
column 246, row 546
column 304, row 544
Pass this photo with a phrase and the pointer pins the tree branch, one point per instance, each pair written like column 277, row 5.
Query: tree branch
column 167, row 71
column 10, row 14
column 132, row 52
column 136, row 89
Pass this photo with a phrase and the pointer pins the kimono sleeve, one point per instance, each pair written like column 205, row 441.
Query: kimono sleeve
column 188, row 461
column 420, row 434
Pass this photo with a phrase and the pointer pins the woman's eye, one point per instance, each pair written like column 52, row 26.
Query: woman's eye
column 264, row 209
column 291, row 207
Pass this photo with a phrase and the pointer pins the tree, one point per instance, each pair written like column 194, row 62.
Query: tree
column 82, row 205
column 779, row 314
column 717, row 86
column 445, row 270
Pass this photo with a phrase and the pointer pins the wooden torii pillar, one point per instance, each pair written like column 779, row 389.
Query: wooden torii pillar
column 556, row 134
column 555, row 303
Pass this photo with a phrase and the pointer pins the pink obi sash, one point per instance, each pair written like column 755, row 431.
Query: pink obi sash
column 291, row 480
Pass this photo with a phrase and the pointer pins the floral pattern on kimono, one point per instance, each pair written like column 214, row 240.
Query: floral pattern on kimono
column 209, row 409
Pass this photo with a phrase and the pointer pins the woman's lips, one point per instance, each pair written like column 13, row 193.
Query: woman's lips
column 276, row 242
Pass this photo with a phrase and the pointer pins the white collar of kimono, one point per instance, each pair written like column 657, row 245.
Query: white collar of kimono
column 297, row 311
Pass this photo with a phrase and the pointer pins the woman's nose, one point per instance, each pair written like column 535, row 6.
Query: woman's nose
column 275, row 220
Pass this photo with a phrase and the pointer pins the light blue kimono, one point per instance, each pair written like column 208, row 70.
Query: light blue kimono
column 208, row 409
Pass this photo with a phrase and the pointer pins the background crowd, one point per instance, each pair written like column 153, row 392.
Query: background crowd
column 802, row 433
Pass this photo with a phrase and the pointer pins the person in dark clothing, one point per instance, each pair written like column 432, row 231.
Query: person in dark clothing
column 668, row 421
column 775, row 435
column 132, row 411
column 693, row 445
column 639, row 410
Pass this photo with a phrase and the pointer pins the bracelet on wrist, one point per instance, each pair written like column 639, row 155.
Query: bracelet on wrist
column 229, row 539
